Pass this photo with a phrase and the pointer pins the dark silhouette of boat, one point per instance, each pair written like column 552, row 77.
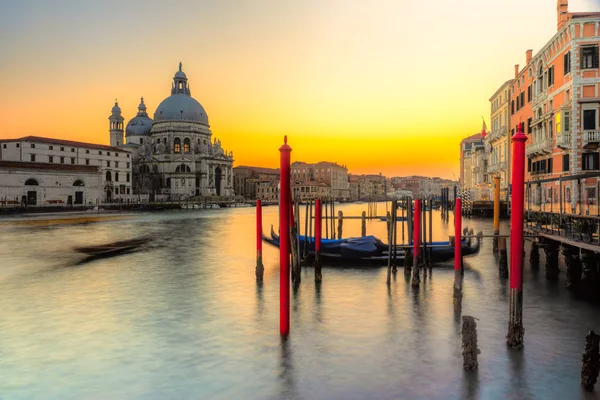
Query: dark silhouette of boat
column 114, row 248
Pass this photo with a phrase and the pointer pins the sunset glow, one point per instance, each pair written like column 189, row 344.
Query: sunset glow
column 388, row 87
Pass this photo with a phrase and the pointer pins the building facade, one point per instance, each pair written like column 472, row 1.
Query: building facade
column 37, row 184
column 113, row 163
column 175, row 155
column 246, row 180
column 498, row 140
column 331, row 174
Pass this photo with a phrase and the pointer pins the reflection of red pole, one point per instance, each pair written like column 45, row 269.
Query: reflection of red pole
column 457, row 236
column 318, row 218
column 284, row 238
column 259, row 265
column 416, row 279
column 515, row 324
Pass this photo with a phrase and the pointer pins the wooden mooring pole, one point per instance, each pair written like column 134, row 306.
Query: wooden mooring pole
column 318, row 210
column 515, row 325
column 457, row 295
column 416, row 279
column 260, row 269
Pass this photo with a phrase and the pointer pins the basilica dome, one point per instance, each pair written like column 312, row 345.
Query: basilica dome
column 141, row 124
column 180, row 106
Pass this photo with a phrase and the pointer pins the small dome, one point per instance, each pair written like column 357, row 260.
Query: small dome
column 178, row 107
column 180, row 74
column 141, row 124
column 116, row 110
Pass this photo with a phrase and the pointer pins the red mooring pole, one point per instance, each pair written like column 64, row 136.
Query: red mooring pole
column 284, row 238
column 259, row 264
column 457, row 237
column 515, row 324
column 416, row 279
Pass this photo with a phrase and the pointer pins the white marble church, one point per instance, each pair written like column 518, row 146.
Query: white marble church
column 174, row 156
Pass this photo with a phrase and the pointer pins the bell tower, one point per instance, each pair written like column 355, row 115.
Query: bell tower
column 116, row 126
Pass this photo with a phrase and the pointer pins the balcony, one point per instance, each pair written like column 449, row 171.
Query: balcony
column 499, row 166
column 539, row 148
column 563, row 140
column 590, row 138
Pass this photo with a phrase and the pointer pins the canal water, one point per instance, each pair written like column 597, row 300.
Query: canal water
column 185, row 319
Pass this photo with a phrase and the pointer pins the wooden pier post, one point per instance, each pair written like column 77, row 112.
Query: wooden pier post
column 457, row 295
column 515, row 325
column 306, row 222
column 551, row 250
column 318, row 210
column 332, row 218
column 416, row 279
column 260, row 269
column 424, row 232
column 363, row 226
column 403, row 220
column 503, row 262
column 295, row 233
column 326, row 207
column 340, row 224
column 469, row 343
column 573, row 262
column 430, row 230
column 534, row 255
column 496, row 211
column 395, row 232
column 390, row 236
column 284, row 238
column 590, row 361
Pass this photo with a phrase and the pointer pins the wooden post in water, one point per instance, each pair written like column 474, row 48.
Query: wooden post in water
column 325, row 206
column 496, row 210
column 591, row 361
column 296, row 274
column 389, row 258
column 395, row 230
column 318, row 210
column 416, row 279
column 458, row 250
column 363, row 227
column 332, row 218
column 430, row 229
column 306, row 222
column 310, row 223
column 259, row 264
column 284, row 238
column 403, row 219
column 340, row 223
column 515, row 324
column 424, row 231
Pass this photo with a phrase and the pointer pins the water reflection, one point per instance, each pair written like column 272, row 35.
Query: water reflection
column 186, row 318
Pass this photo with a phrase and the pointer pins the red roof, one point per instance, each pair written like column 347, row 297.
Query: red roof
column 47, row 166
column 39, row 139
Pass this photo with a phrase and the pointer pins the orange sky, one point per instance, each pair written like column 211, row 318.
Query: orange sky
column 387, row 86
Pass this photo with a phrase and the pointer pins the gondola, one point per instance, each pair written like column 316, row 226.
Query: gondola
column 369, row 250
column 114, row 248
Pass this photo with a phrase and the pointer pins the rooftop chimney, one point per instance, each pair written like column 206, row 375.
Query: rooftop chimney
column 516, row 70
column 528, row 56
column 562, row 13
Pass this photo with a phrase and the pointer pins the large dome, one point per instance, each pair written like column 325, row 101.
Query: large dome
column 180, row 106
column 141, row 124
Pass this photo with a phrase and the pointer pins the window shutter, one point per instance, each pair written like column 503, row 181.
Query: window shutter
column 595, row 56
column 550, row 165
column 596, row 160
column 529, row 165
column 581, row 57
column 566, row 63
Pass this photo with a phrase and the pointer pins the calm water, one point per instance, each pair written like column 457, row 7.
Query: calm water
column 184, row 319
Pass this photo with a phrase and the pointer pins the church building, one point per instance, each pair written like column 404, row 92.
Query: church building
column 174, row 155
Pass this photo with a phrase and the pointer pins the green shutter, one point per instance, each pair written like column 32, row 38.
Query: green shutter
column 595, row 56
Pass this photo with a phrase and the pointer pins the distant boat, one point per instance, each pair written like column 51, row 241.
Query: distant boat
column 114, row 248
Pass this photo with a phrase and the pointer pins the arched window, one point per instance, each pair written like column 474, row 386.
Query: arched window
column 186, row 145
column 183, row 168
column 177, row 145
column 78, row 182
column 31, row 182
column 108, row 176
column 116, row 177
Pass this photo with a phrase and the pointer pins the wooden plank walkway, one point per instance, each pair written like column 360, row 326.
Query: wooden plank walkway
column 564, row 240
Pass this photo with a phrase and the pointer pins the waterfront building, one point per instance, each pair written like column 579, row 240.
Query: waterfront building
column 421, row 186
column 473, row 167
column 368, row 187
column 267, row 191
column 466, row 147
column 498, row 140
column 114, row 164
column 40, row 184
column 246, row 179
column 331, row 174
column 175, row 155
column 564, row 81
column 309, row 190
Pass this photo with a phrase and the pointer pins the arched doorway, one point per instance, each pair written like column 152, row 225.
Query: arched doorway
column 31, row 194
column 218, row 177
column 78, row 193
